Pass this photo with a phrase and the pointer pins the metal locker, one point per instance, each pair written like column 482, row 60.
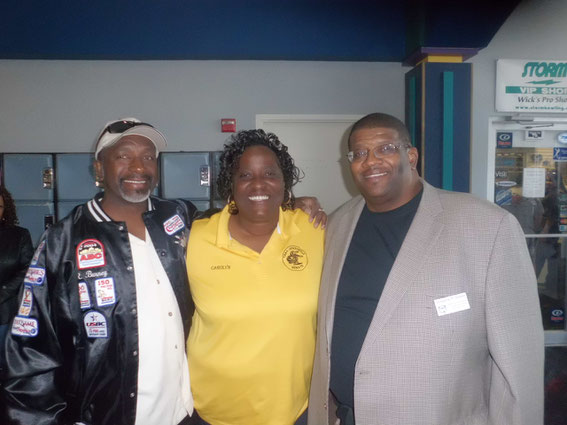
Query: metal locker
column 35, row 216
column 216, row 168
column 65, row 207
column 29, row 177
column 75, row 181
column 75, row 176
column 185, row 175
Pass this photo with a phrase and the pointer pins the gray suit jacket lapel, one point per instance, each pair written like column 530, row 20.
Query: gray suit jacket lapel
column 421, row 236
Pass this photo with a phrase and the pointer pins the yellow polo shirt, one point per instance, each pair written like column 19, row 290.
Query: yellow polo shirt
column 252, row 339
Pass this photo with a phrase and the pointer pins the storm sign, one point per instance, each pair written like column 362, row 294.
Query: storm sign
column 531, row 86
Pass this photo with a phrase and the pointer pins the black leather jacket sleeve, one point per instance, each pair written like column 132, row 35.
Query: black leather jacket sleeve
column 38, row 361
column 19, row 262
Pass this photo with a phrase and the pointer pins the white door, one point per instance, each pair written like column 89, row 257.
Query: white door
column 318, row 145
column 527, row 166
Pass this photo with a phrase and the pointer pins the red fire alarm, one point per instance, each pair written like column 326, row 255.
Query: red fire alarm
column 228, row 125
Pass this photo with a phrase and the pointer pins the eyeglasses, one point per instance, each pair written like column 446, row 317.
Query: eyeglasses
column 386, row 149
column 121, row 126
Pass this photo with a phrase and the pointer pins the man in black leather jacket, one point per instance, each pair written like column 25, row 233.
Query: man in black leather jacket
column 74, row 352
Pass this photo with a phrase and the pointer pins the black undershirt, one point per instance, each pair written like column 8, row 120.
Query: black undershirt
column 374, row 246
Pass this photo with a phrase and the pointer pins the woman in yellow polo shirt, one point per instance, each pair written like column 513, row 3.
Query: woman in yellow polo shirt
column 254, row 270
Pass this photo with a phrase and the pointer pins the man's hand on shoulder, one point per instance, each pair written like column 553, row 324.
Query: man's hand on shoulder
column 310, row 205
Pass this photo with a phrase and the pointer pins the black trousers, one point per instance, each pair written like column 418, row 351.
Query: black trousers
column 192, row 420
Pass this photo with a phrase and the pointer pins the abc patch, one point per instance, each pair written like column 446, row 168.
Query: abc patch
column 90, row 253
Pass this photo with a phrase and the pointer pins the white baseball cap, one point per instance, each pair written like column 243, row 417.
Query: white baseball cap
column 113, row 131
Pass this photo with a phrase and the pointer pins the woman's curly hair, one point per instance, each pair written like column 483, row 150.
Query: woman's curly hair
column 9, row 217
column 230, row 159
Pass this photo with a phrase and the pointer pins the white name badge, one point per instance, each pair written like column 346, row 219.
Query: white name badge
column 452, row 304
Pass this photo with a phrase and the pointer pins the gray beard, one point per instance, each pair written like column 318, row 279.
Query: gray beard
column 137, row 197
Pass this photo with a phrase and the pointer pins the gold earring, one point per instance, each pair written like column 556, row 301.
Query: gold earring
column 232, row 208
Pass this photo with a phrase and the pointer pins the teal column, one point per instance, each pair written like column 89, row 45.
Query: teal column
column 438, row 116
column 412, row 111
column 448, row 123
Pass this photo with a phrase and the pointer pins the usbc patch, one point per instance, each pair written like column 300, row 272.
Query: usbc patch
column 24, row 326
column 35, row 275
column 173, row 225
column 90, row 253
column 95, row 325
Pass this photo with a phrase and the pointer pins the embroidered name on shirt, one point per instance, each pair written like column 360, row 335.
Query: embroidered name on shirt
column 221, row 267
column 90, row 273
column 294, row 258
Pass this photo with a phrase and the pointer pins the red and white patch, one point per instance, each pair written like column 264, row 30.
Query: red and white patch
column 105, row 294
column 35, row 275
column 84, row 297
column 27, row 302
column 95, row 325
column 24, row 326
column 173, row 225
column 90, row 253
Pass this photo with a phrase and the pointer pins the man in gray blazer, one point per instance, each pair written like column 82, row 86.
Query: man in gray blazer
column 428, row 309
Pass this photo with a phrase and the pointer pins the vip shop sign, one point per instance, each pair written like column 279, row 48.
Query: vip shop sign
column 531, row 86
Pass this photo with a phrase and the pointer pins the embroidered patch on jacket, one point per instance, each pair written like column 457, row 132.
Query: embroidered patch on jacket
column 95, row 325
column 27, row 302
column 37, row 253
column 24, row 326
column 35, row 275
column 173, row 225
column 294, row 258
column 90, row 253
column 104, row 289
column 84, row 297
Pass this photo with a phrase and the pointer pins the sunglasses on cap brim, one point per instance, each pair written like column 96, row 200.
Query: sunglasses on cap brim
column 122, row 126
